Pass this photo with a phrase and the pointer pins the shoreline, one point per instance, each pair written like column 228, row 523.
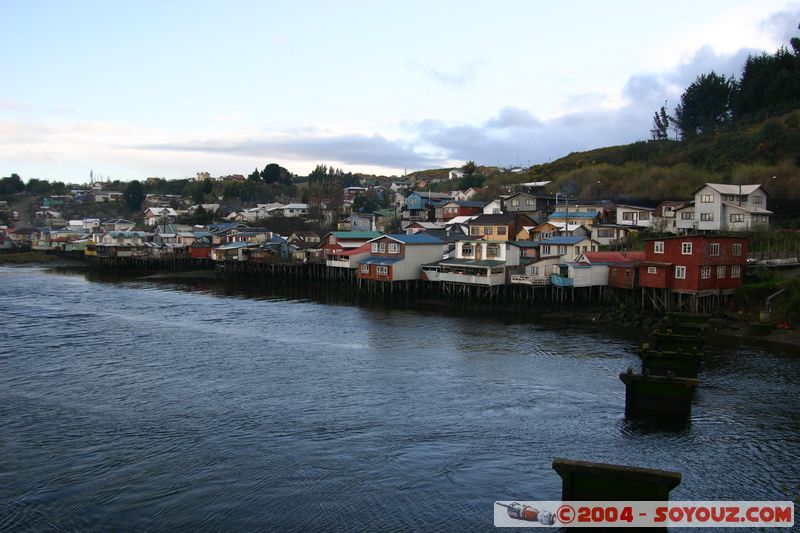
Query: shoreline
column 725, row 328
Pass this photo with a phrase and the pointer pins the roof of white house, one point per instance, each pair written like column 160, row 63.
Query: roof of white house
column 723, row 188
column 296, row 206
column 753, row 210
column 463, row 219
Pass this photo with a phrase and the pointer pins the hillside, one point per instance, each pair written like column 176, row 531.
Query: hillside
column 648, row 172
column 655, row 170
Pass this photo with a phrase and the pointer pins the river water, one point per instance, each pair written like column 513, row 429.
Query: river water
column 151, row 405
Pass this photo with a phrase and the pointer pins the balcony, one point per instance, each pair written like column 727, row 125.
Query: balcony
column 471, row 279
column 559, row 281
column 529, row 280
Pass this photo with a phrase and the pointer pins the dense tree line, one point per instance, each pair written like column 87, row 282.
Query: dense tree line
column 14, row 184
column 769, row 85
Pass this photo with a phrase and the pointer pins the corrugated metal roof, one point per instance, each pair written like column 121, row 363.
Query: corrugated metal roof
column 569, row 214
column 234, row 245
column 564, row 240
column 356, row 234
column 374, row 260
column 417, row 238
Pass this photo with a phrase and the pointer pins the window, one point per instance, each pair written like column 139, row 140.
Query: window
column 687, row 215
column 394, row 248
column 707, row 198
column 562, row 250
column 546, row 249
column 714, row 249
column 514, row 203
column 737, row 217
column 492, row 250
column 736, row 249
column 605, row 233
column 686, row 248
column 365, row 269
column 501, row 230
column 332, row 239
column 382, row 270
column 382, row 247
column 375, row 247
column 488, row 230
column 720, row 271
column 758, row 199
column 644, row 216
column 680, row 272
column 658, row 247
column 706, row 216
column 736, row 271
column 628, row 215
column 467, row 250
column 705, row 272
column 535, row 272
column 474, row 230
column 652, row 270
column 529, row 201
column 729, row 197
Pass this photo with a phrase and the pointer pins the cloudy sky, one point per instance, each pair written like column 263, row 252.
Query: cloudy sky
column 133, row 89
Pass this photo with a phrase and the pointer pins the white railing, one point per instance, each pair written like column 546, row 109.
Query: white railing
column 339, row 264
column 495, row 279
column 529, row 280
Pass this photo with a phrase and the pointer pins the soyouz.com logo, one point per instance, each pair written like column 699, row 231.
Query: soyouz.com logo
column 556, row 513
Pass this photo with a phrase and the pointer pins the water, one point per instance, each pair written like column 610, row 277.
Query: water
column 149, row 405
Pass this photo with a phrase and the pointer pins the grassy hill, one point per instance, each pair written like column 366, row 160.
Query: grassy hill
column 658, row 170
column 650, row 171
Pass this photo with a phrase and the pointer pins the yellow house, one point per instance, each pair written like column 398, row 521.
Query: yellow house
column 499, row 227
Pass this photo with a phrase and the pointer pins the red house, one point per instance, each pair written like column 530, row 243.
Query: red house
column 694, row 263
column 336, row 242
column 458, row 208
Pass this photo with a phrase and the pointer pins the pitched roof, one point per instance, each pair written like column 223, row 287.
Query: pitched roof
column 364, row 248
column 493, row 219
column 582, row 214
column 724, row 188
column 356, row 234
column 417, row 238
column 614, row 257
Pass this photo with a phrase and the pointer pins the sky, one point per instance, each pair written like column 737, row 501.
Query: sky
column 134, row 89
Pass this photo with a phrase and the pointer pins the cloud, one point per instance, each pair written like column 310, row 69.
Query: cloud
column 353, row 149
column 14, row 105
column 513, row 117
column 782, row 26
column 457, row 78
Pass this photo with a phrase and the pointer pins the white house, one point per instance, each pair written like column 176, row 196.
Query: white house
column 634, row 215
column 494, row 207
column 295, row 210
column 477, row 262
column 722, row 207
column 154, row 216
column 566, row 248
column 399, row 257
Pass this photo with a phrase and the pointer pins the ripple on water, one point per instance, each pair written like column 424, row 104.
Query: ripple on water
column 139, row 403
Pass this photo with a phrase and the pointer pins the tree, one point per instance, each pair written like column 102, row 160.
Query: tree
column 705, row 105
column 11, row 185
column 471, row 180
column 134, row 195
column 274, row 173
column 319, row 173
column 254, row 176
column 469, row 168
column 660, row 131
